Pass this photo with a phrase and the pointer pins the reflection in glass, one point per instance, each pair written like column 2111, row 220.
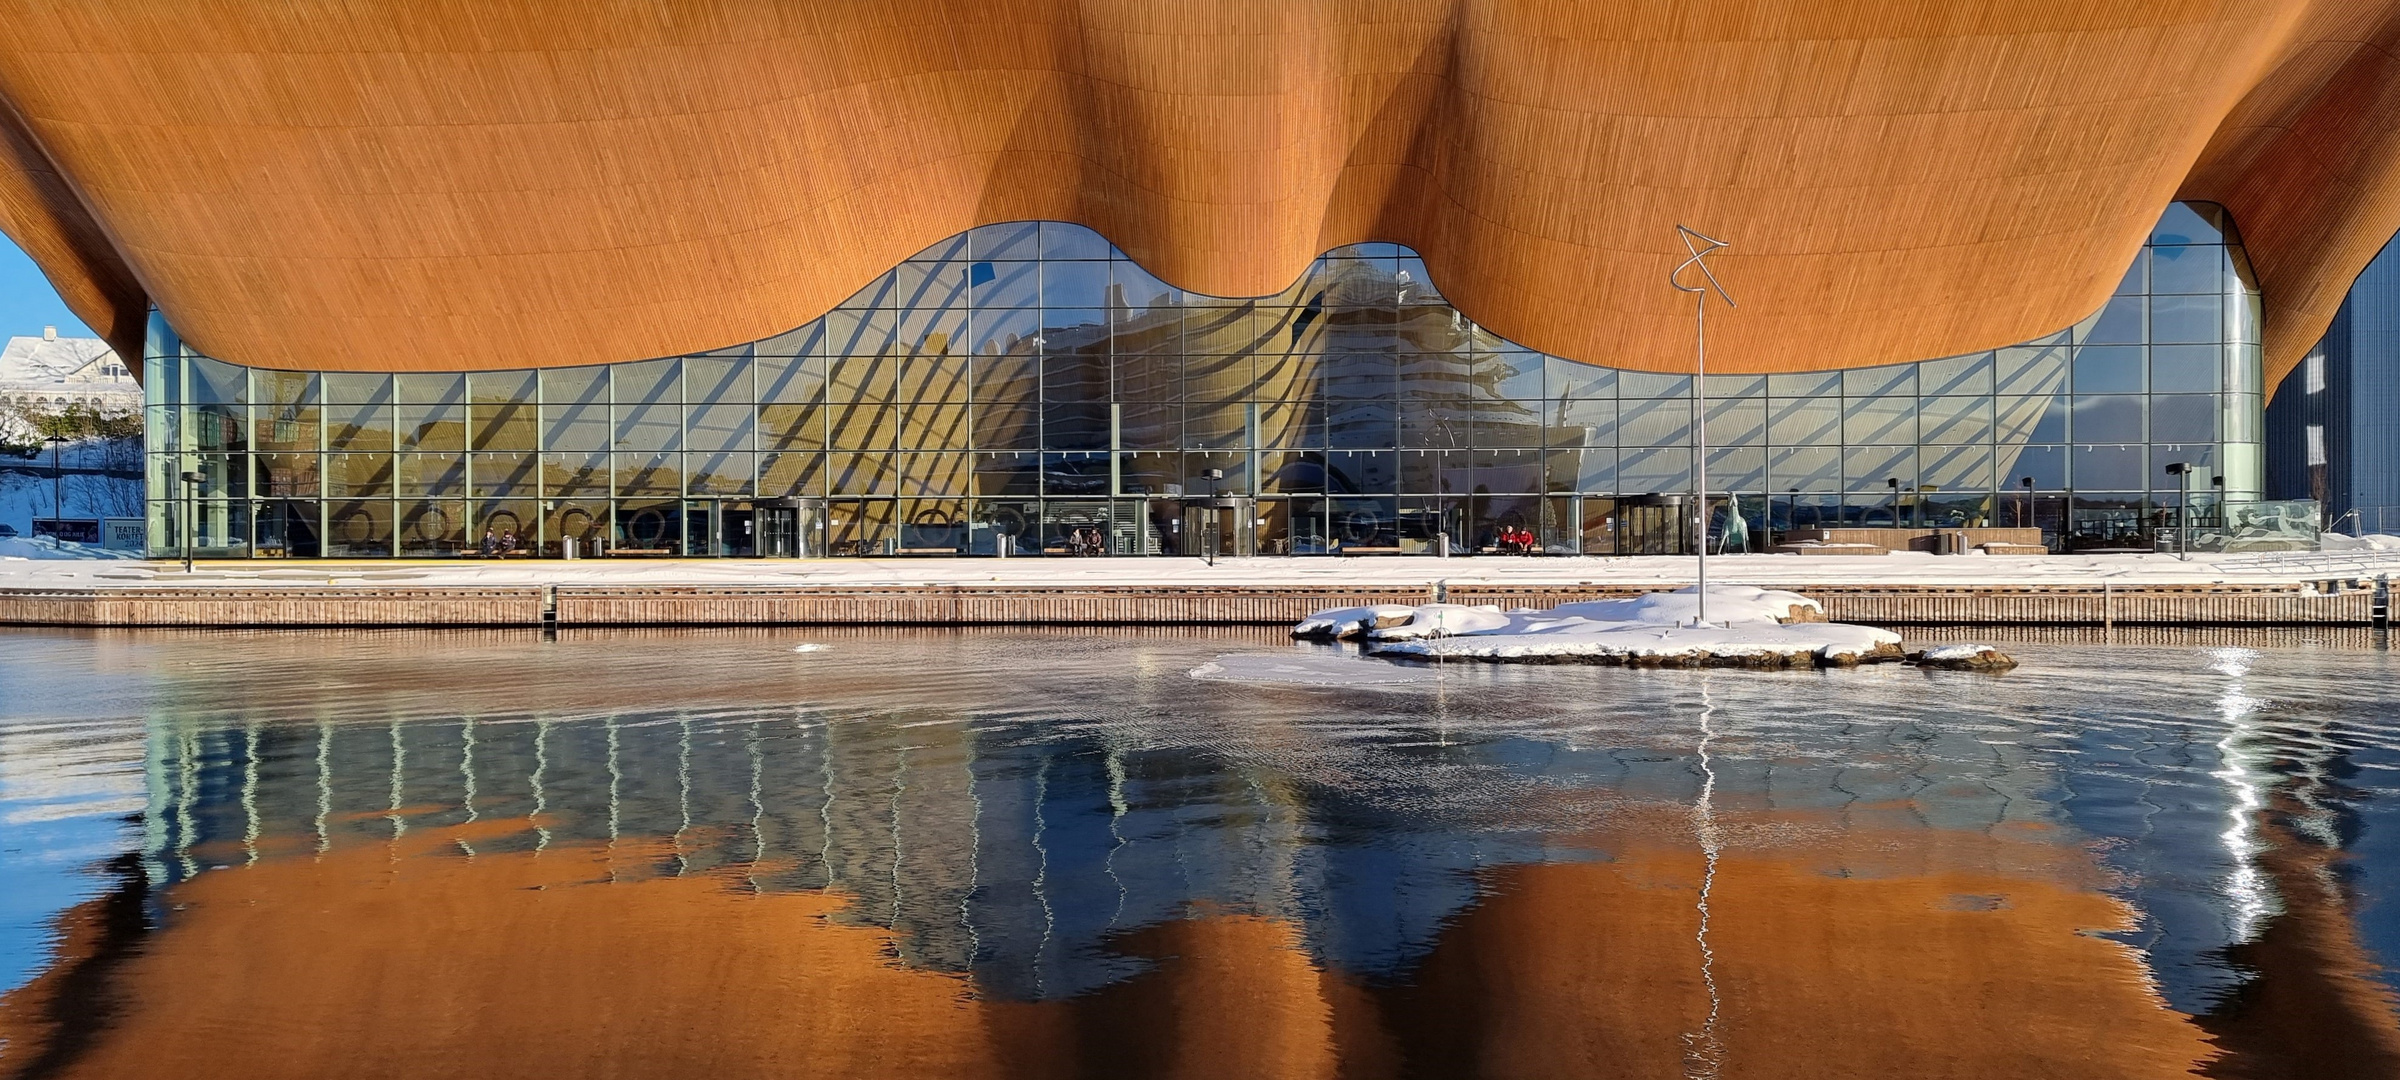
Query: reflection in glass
column 1032, row 361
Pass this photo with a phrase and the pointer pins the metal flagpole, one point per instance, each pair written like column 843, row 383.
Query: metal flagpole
column 1699, row 390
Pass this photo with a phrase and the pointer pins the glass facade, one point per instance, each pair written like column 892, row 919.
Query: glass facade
column 1025, row 388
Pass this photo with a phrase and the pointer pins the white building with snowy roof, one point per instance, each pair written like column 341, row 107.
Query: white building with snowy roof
column 50, row 373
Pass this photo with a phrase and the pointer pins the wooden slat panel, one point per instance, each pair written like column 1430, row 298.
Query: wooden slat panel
column 438, row 184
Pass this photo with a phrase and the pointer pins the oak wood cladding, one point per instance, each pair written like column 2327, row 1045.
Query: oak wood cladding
column 430, row 184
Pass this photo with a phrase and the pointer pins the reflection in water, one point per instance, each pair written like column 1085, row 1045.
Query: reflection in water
column 1706, row 1054
column 2252, row 901
column 1053, row 855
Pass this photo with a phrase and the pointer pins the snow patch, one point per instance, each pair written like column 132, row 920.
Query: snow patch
column 1350, row 622
column 1954, row 652
column 43, row 547
column 1747, row 627
column 2369, row 542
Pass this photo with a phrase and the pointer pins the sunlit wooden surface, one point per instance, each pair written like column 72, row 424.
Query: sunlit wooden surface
column 413, row 184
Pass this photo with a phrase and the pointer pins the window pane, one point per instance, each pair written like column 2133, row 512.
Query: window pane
column 1870, row 468
column 575, row 409
column 575, row 475
column 431, row 474
column 1880, row 381
column 2185, row 369
column 348, row 387
column 2030, row 419
column 2109, row 370
column 719, row 473
column 359, row 528
column 1879, row 420
column 1737, row 468
column 1955, row 468
column 423, row 388
column 1956, row 375
column 358, row 474
column 861, row 474
column 286, row 475
column 431, row 427
column 287, row 427
column 1804, row 421
column 716, row 378
column 716, row 428
column 1807, row 468
column 2185, row 223
column 215, row 383
column 501, row 387
column 2183, row 418
column 2109, row 468
column 2120, row 323
column 504, row 425
column 2186, row 318
column 649, row 474
column 2108, row 418
column 1654, row 422
column 504, row 474
column 1805, row 384
column 794, row 474
column 1737, row 421
column 1954, row 420
column 2186, row 269
column 2036, row 369
column 2047, row 465
column 284, row 387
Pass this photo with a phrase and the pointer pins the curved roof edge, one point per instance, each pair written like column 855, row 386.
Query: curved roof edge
column 405, row 185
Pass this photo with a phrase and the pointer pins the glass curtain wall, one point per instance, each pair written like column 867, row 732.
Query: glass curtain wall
column 1025, row 388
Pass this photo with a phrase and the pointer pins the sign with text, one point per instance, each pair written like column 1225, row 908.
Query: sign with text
column 71, row 530
column 124, row 534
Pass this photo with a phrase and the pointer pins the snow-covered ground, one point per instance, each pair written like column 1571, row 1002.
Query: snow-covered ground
column 45, row 548
column 27, row 491
column 1911, row 568
column 1743, row 626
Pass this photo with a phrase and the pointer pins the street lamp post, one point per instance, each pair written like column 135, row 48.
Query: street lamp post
column 58, row 503
column 1216, row 517
column 191, row 514
column 1893, row 482
column 2182, row 471
column 2025, row 509
column 1704, row 246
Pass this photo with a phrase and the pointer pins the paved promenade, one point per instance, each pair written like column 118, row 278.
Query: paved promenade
column 2337, row 589
column 1903, row 568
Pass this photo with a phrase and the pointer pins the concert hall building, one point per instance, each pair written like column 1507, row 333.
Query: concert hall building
column 799, row 280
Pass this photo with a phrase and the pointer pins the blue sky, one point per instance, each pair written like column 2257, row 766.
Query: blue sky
column 28, row 303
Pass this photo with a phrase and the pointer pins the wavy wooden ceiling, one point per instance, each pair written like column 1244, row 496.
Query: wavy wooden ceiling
column 408, row 184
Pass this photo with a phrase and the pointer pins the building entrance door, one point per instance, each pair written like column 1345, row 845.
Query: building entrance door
column 1219, row 527
column 777, row 528
column 1653, row 525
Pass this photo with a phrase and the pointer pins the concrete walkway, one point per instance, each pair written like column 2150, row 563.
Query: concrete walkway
column 1898, row 569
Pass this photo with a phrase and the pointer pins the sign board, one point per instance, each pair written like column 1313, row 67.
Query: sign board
column 124, row 534
column 71, row 530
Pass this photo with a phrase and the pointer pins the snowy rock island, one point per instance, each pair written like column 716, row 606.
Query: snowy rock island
column 1747, row 627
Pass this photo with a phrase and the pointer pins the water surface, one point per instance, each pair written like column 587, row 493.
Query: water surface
column 1202, row 854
